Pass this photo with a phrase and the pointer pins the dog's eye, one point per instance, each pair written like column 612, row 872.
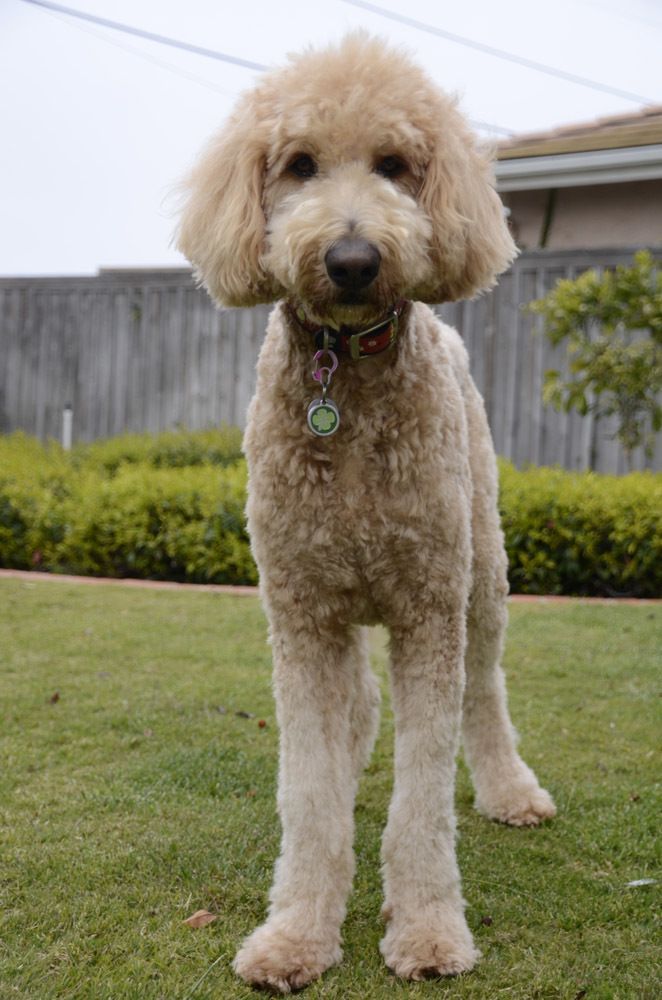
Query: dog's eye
column 390, row 167
column 303, row 166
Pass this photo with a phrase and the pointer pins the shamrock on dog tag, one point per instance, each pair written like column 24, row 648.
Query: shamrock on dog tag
column 323, row 417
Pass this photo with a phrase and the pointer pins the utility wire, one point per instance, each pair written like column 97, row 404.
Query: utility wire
column 149, row 35
column 175, row 43
column 500, row 53
column 161, row 63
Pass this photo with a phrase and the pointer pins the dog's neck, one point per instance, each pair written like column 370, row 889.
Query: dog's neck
column 357, row 343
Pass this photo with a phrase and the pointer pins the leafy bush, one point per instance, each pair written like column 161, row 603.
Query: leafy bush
column 170, row 507
column 163, row 524
column 169, row 449
column 160, row 507
column 582, row 533
column 612, row 324
column 34, row 480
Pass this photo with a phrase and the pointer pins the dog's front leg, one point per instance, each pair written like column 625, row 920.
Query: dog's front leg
column 427, row 934
column 314, row 682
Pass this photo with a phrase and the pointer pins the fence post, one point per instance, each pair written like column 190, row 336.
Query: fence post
column 67, row 426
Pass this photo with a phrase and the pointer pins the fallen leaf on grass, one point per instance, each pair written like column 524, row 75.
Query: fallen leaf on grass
column 200, row 918
column 262, row 724
column 486, row 921
column 54, row 698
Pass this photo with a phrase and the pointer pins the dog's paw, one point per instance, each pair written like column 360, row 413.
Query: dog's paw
column 280, row 959
column 517, row 804
column 424, row 949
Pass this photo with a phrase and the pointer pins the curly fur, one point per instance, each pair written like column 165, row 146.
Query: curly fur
column 393, row 519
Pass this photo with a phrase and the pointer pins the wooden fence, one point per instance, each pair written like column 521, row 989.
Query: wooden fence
column 140, row 350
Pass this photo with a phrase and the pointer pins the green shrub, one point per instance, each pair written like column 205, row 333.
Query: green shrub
column 611, row 323
column 582, row 533
column 170, row 507
column 34, row 480
column 169, row 449
column 161, row 524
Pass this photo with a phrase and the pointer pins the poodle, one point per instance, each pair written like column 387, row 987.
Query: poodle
column 347, row 188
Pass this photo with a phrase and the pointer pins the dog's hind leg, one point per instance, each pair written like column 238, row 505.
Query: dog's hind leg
column 506, row 789
column 315, row 688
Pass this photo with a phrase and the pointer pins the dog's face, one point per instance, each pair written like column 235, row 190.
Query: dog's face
column 344, row 182
column 345, row 233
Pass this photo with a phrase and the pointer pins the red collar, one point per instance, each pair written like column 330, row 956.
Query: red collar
column 361, row 344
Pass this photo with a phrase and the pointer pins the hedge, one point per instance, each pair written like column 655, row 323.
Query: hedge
column 169, row 449
column 582, row 534
column 170, row 507
column 165, row 507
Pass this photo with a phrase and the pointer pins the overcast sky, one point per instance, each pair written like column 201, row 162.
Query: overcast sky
column 97, row 126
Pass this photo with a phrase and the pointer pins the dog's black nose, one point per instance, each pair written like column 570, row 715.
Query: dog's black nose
column 352, row 264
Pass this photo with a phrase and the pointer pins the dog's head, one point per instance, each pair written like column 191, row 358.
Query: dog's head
column 344, row 182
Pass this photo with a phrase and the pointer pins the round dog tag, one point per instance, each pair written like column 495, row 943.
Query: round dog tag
column 323, row 417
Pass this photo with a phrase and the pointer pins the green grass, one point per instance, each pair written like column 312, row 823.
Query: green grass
column 140, row 796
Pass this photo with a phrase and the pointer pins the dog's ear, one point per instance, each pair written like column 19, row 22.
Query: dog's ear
column 471, row 244
column 222, row 226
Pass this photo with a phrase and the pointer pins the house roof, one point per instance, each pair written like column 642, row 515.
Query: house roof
column 639, row 128
column 625, row 147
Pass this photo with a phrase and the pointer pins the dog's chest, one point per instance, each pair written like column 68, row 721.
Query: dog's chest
column 378, row 510
column 377, row 501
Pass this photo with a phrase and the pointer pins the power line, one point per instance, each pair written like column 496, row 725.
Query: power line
column 500, row 53
column 162, row 63
column 149, row 35
column 196, row 49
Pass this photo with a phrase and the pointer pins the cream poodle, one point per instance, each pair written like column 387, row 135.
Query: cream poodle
column 348, row 188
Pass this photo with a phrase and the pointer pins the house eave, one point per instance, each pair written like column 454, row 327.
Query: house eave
column 603, row 166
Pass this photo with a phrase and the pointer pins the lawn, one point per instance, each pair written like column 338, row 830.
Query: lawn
column 132, row 793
